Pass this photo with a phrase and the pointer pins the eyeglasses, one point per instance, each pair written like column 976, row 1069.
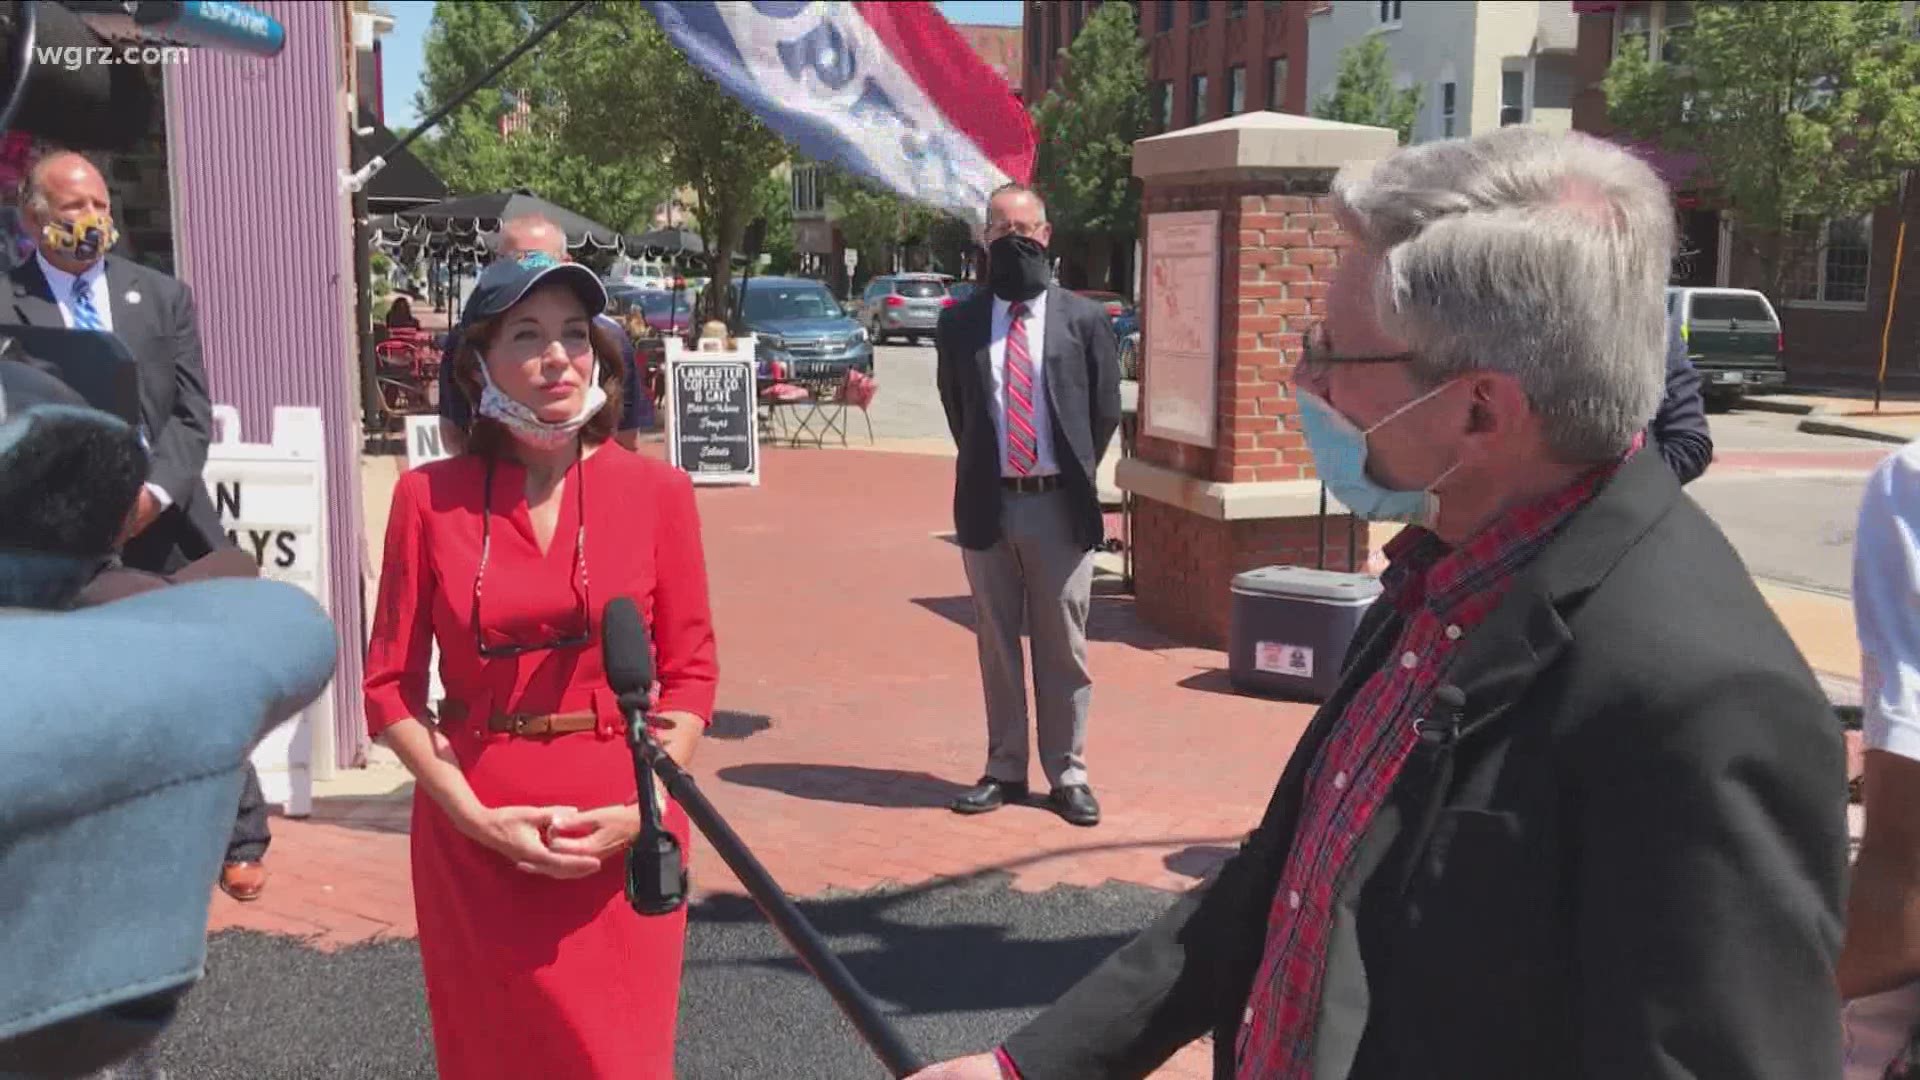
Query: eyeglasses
column 583, row 589
column 998, row 229
column 1317, row 357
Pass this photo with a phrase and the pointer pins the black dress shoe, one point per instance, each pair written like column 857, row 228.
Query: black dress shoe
column 989, row 794
column 1076, row 804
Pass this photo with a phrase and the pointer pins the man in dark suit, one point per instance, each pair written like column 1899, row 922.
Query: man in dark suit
column 72, row 282
column 1029, row 376
column 1578, row 807
column 1680, row 427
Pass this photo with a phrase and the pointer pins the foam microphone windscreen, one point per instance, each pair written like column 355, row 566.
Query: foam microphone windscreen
column 68, row 477
column 624, row 649
column 74, row 98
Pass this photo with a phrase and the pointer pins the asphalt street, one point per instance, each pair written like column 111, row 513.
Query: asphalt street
column 959, row 964
column 908, row 405
column 1792, row 525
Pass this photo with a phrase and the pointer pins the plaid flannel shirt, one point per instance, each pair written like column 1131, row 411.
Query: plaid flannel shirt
column 1442, row 595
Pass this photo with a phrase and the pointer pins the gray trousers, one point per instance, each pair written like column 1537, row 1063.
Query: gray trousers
column 1037, row 577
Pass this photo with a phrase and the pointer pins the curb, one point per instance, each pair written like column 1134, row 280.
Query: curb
column 1812, row 426
column 1796, row 408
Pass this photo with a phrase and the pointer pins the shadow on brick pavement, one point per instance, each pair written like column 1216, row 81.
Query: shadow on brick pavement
column 957, row 963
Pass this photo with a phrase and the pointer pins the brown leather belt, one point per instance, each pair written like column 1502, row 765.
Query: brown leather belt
column 527, row 724
column 1031, row 485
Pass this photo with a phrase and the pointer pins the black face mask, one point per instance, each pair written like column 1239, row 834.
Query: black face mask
column 1016, row 268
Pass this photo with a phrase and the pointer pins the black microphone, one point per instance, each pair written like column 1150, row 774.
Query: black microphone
column 656, row 870
column 656, row 878
column 1449, row 702
column 626, row 653
column 72, row 95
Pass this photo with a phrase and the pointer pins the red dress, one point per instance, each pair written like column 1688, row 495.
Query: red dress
column 530, row 976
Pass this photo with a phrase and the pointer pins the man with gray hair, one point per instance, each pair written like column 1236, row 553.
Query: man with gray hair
column 1578, row 807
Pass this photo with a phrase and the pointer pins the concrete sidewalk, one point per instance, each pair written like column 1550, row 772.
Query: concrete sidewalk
column 1848, row 413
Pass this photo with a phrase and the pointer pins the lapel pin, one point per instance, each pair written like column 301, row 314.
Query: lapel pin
column 133, row 297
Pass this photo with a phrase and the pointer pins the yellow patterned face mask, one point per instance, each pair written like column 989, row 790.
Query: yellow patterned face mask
column 86, row 238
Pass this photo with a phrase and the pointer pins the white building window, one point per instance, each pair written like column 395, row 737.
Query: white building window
column 1676, row 21
column 809, row 196
column 1513, row 97
column 1276, row 83
column 1651, row 28
column 1836, row 271
column 1448, row 108
column 1390, row 12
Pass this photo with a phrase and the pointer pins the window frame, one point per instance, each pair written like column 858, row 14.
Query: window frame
column 1277, row 87
column 1236, row 90
column 1657, row 27
column 1525, row 106
column 1818, row 260
column 1389, row 14
column 1447, row 108
column 1160, row 102
column 1198, row 89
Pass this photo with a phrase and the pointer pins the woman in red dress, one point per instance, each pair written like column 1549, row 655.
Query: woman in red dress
column 524, row 801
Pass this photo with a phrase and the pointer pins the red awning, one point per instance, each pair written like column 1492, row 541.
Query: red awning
column 1679, row 170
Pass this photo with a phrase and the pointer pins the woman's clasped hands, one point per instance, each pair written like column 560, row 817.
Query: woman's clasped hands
column 557, row 841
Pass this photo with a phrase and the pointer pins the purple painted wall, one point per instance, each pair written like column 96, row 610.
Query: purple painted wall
column 263, row 235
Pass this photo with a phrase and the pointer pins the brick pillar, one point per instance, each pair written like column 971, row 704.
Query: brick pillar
column 1207, row 508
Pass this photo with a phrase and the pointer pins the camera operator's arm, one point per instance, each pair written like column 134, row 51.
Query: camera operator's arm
column 180, row 444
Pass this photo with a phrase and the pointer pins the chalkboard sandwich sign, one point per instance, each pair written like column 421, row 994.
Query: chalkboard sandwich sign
column 713, row 423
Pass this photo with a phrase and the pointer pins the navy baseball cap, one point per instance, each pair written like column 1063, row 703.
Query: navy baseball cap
column 504, row 283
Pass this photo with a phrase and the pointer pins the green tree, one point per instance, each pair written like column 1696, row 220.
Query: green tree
column 1087, row 125
column 626, row 89
column 1799, row 112
column 774, row 201
column 617, row 190
column 876, row 222
column 1363, row 91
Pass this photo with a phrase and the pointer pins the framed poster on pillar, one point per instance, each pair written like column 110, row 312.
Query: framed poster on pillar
column 1179, row 398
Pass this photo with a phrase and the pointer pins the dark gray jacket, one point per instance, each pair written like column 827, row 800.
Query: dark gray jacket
column 1623, row 861
column 1081, row 366
column 1680, row 427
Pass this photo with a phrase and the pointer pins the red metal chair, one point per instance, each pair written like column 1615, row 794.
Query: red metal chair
column 858, row 390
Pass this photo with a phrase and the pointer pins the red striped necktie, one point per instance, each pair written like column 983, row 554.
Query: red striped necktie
column 1023, row 445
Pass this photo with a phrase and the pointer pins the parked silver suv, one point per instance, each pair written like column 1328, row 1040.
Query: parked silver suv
column 903, row 305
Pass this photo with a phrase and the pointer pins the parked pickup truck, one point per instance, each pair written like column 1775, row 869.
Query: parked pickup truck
column 1733, row 338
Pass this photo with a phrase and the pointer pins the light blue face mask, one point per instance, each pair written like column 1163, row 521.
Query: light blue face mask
column 1339, row 448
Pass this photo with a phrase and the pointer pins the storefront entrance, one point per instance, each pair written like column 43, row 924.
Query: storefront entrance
column 1698, row 264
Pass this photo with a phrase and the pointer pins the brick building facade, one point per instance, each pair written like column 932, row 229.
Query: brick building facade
column 1204, row 513
column 1206, row 59
column 1835, row 309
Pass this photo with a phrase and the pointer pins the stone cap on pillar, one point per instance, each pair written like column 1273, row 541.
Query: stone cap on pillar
column 1250, row 144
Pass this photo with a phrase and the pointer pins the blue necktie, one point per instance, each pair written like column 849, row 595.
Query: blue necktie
column 85, row 315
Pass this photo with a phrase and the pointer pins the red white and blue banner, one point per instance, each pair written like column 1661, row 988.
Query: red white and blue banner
column 886, row 90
